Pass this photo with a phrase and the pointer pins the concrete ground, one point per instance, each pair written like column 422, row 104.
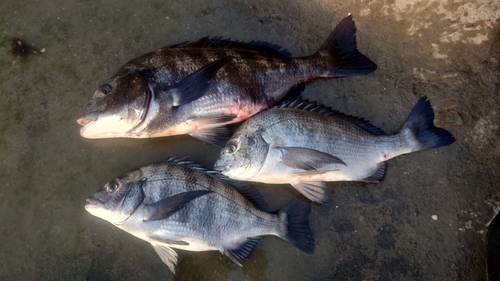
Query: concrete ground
column 426, row 221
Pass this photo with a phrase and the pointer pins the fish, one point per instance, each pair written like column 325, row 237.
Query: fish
column 198, row 88
column 305, row 145
column 178, row 204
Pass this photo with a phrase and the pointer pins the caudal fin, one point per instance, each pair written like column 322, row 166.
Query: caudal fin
column 295, row 216
column 341, row 51
column 421, row 123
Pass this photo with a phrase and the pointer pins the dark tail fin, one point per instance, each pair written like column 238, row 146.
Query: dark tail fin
column 421, row 123
column 295, row 217
column 340, row 49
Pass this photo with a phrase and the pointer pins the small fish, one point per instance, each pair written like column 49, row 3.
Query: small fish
column 197, row 88
column 306, row 145
column 179, row 204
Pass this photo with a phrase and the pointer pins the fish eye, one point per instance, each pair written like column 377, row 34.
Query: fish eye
column 112, row 186
column 231, row 148
column 105, row 89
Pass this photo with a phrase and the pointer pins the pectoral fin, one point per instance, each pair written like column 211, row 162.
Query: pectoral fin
column 167, row 255
column 195, row 85
column 314, row 191
column 244, row 251
column 168, row 206
column 217, row 136
column 306, row 158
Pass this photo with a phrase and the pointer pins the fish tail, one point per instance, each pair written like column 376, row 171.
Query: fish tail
column 341, row 53
column 420, row 123
column 294, row 217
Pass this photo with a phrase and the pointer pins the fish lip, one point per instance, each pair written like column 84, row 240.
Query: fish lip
column 94, row 201
column 219, row 167
column 87, row 118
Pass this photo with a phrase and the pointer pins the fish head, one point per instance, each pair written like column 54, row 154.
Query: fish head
column 117, row 107
column 244, row 154
column 119, row 198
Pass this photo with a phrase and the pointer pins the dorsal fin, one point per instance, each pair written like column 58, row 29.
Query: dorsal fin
column 197, row 166
column 299, row 103
column 218, row 42
column 189, row 163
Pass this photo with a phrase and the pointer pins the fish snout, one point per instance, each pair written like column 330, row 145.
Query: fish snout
column 87, row 118
column 220, row 167
column 94, row 201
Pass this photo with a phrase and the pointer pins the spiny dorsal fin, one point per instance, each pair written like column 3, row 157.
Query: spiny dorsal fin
column 299, row 103
column 188, row 163
column 197, row 166
column 218, row 42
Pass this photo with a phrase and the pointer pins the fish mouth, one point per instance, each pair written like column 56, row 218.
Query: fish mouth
column 87, row 118
column 110, row 124
column 93, row 201
column 220, row 167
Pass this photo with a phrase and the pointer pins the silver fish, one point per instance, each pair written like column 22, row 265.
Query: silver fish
column 179, row 204
column 197, row 88
column 306, row 145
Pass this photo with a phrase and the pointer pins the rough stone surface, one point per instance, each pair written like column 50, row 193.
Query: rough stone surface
column 447, row 50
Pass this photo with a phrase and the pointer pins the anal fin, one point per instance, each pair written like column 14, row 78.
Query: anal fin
column 379, row 174
column 244, row 251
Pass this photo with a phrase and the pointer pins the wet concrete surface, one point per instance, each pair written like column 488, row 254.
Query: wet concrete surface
column 426, row 221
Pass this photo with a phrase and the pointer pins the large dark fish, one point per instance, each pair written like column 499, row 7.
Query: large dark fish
column 178, row 204
column 197, row 88
column 306, row 145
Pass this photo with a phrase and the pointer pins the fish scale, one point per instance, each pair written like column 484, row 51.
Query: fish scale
column 179, row 204
column 306, row 145
column 198, row 88
column 342, row 140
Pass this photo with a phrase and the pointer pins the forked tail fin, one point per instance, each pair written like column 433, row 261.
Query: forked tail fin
column 341, row 53
column 295, row 217
column 421, row 124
